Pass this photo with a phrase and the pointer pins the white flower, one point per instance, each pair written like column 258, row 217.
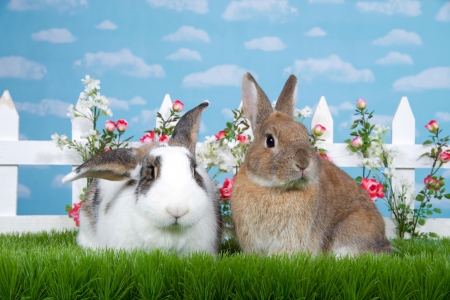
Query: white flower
column 371, row 162
column 60, row 141
column 380, row 129
column 71, row 113
column 389, row 172
column 108, row 112
column 305, row 112
column 232, row 144
column 210, row 139
column 92, row 132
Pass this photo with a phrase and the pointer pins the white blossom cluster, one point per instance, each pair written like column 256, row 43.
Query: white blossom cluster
column 211, row 153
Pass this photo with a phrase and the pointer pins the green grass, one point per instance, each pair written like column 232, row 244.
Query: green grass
column 51, row 266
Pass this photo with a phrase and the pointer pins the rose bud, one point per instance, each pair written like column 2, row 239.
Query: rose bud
column 361, row 103
column 121, row 125
column 148, row 137
column 110, row 126
column 432, row 126
column 319, row 130
column 178, row 106
column 220, row 135
column 357, row 142
column 163, row 139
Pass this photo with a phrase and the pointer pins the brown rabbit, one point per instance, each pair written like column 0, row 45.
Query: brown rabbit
column 287, row 199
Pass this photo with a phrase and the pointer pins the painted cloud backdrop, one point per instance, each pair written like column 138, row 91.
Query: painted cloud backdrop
column 199, row 49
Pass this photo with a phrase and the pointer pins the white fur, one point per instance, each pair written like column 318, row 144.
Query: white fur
column 148, row 222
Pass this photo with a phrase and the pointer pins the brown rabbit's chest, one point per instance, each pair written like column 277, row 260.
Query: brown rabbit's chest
column 267, row 221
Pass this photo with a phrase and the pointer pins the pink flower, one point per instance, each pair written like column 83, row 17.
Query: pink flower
column 432, row 126
column 225, row 190
column 324, row 156
column 373, row 188
column 433, row 184
column 444, row 156
column 75, row 213
column 121, row 125
column 148, row 137
column 319, row 130
column 220, row 135
column 107, row 149
column 361, row 103
column 163, row 139
column 243, row 139
column 357, row 142
column 110, row 126
column 178, row 106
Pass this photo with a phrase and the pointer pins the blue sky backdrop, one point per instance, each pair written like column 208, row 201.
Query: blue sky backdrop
column 199, row 49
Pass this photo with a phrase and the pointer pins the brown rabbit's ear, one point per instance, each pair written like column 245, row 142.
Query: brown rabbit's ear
column 288, row 96
column 257, row 107
column 186, row 131
column 113, row 165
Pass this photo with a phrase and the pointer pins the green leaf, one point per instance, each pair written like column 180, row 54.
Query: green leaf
column 433, row 235
column 353, row 126
column 447, row 196
column 419, row 197
column 358, row 179
column 437, row 210
column 429, row 212
column 427, row 142
column 421, row 221
column 354, row 133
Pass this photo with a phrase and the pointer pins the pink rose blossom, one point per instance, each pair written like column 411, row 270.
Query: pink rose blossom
column 220, row 135
column 107, row 149
column 373, row 188
column 357, row 142
column 433, row 184
column 225, row 190
column 361, row 103
column 243, row 139
column 148, row 137
column 324, row 156
column 432, row 126
column 75, row 213
column 121, row 125
column 319, row 130
column 163, row 139
column 444, row 156
column 178, row 106
column 110, row 126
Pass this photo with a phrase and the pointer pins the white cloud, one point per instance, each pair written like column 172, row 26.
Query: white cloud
column 20, row 67
column 395, row 58
column 433, row 78
column 106, row 25
column 250, row 9
column 23, row 191
column 56, row 182
column 444, row 13
column 185, row 54
column 197, row 6
column 60, row 5
column 227, row 112
column 146, row 117
column 316, row 31
column 124, row 61
column 390, row 7
column 54, row 35
column 124, row 104
column 442, row 116
column 267, row 43
column 45, row 107
column 327, row 1
column 223, row 75
column 343, row 106
column 398, row 37
column 188, row 33
column 332, row 68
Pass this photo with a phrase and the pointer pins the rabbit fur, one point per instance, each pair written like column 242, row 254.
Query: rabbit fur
column 287, row 199
column 151, row 197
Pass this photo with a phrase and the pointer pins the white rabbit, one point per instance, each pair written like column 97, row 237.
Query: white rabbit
column 287, row 199
column 151, row 197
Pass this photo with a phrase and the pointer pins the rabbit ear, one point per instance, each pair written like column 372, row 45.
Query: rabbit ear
column 286, row 101
column 186, row 131
column 113, row 165
column 257, row 107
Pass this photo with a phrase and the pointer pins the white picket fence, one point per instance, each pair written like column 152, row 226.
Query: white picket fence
column 14, row 152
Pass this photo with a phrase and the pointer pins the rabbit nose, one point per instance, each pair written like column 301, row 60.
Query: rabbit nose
column 177, row 212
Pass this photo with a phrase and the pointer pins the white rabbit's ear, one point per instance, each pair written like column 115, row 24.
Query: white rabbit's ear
column 257, row 107
column 186, row 131
column 288, row 97
column 114, row 165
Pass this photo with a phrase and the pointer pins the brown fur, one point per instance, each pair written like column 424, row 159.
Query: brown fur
column 286, row 199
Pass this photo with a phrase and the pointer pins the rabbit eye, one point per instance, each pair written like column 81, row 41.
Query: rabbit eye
column 270, row 141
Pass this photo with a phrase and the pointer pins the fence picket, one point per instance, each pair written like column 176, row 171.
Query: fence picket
column 9, row 131
column 322, row 116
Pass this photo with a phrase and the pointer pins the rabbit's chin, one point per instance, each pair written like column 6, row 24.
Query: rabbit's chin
column 297, row 183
